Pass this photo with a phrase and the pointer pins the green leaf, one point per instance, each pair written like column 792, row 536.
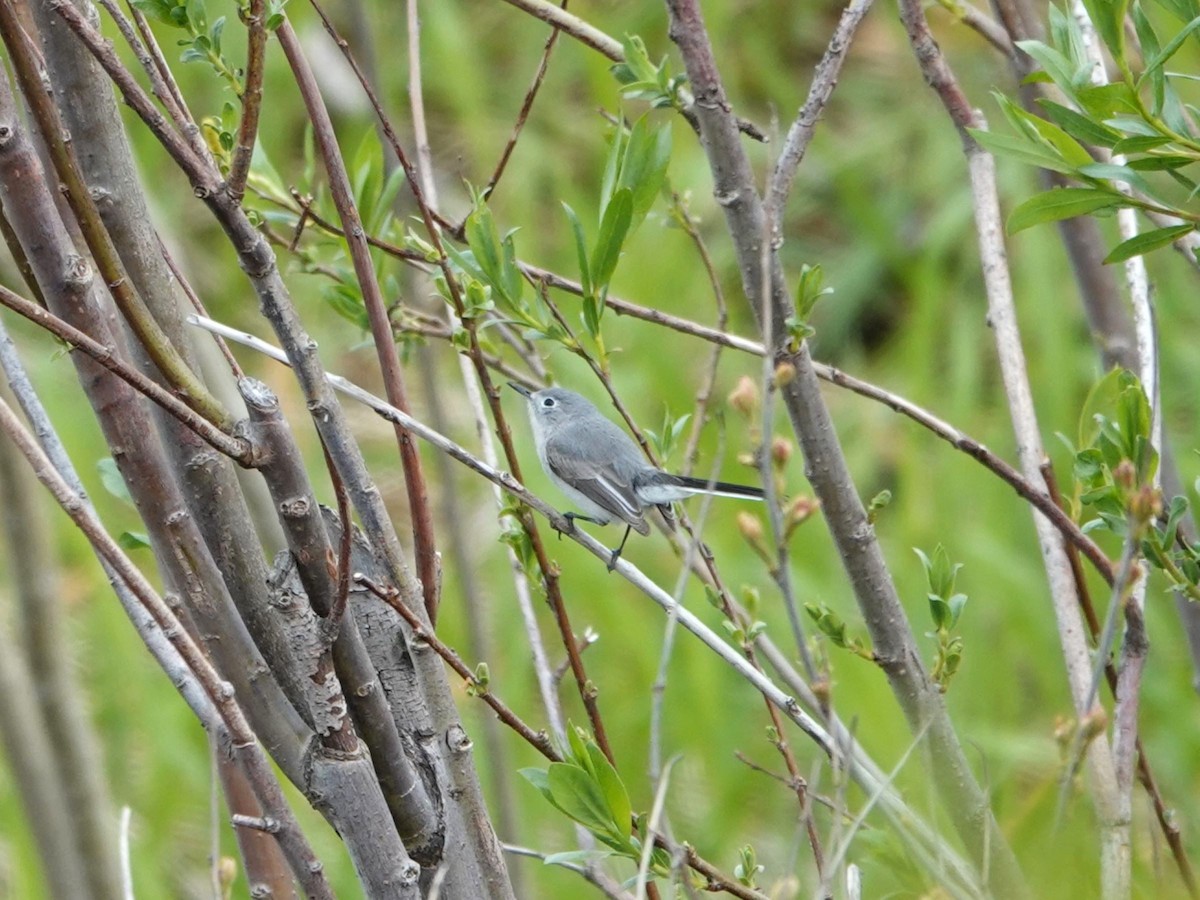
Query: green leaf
column 1150, row 49
column 575, row 741
column 644, row 165
column 110, row 477
column 1079, row 126
column 215, row 32
column 613, row 229
column 1184, row 10
column 1060, row 69
column 1161, row 163
column 159, row 10
column 1038, row 128
column 1106, row 100
column 615, row 794
column 1100, row 402
column 585, row 278
column 1109, row 18
column 1140, row 143
column 1022, row 150
column 1058, row 204
column 1160, row 58
column 612, row 168
column 1110, row 172
column 1147, row 241
column 577, row 794
column 133, row 540
column 539, row 779
column 1068, row 39
column 196, row 15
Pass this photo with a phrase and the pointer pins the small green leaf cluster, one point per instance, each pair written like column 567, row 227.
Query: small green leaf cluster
column 480, row 681
column 1116, row 463
column 878, row 504
column 945, row 608
column 809, row 289
column 587, row 789
column 831, row 625
column 748, row 868
column 634, row 174
column 1178, row 559
column 1114, row 480
column 203, row 41
column 518, row 539
column 1139, row 117
column 220, row 133
column 666, row 438
column 374, row 191
column 643, row 80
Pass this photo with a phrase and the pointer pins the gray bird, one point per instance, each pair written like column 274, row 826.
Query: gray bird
column 601, row 469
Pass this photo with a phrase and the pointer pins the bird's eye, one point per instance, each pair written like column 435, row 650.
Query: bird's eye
column 548, row 402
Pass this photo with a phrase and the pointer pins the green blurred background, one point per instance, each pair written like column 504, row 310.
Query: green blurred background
column 881, row 203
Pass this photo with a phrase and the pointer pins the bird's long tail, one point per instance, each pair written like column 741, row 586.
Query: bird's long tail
column 663, row 487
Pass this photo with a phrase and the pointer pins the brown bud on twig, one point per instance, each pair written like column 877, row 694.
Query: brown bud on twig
column 798, row 512
column 752, row 530
column 785, row 373
column 744, row 398
column 781, row 451
column 750, row 527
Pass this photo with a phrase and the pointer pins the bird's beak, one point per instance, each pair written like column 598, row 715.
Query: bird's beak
column 520, row 389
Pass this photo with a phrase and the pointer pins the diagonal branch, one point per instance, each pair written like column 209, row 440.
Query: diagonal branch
column 825, row 463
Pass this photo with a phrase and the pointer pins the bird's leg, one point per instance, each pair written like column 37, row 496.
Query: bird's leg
column 616, row 554
column 571, row 517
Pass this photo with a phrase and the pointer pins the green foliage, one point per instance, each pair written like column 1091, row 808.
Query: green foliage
column 831, row 625
column 1140, row 119
column 634, row 174
column 481, row 678
column 203, row 41
column 878, row 504
column 1115, row 460
column 809, row 289
column 588, row 790
column 748, row 868
column 665, row 439
column 945, row 608
column 643, row 80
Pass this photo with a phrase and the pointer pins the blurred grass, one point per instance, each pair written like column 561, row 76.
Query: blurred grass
column 881, row 203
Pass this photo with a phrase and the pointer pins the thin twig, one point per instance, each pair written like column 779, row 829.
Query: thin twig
column 977, row 20
column 593, row 37
column 526, row 105
column 539, row 740
column 252, row 95
column 590, row 874
column 381, row 330
column 804, row 127
column 586, row 688
column 157, row 84
column 83, row 204
column 236, row 448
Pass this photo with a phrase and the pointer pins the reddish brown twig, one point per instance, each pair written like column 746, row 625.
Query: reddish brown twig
column 235, row 448
column 247, row 133
column 381, row 329
column 539, row 740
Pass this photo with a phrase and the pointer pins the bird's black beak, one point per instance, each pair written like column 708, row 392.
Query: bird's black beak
column 520, row 389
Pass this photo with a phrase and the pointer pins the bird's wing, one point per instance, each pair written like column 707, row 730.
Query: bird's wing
column 597, row 480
